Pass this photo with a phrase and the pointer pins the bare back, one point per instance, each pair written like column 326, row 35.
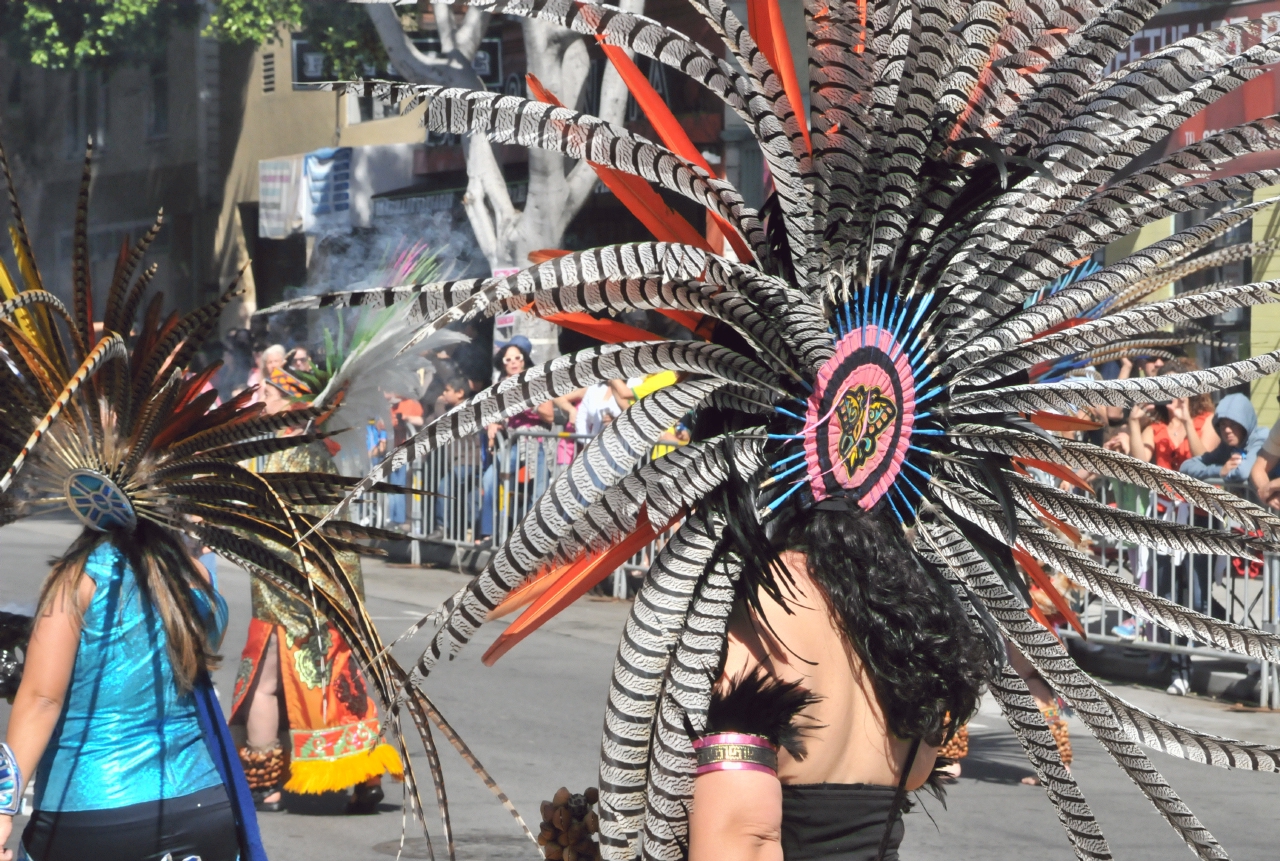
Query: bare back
column 851, row 743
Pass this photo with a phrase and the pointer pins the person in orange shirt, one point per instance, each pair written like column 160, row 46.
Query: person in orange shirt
column 406, row 420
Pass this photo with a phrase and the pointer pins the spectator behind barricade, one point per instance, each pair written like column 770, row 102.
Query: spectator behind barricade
column 406, row 419
column 375, row 441
column 512, row 358
column 1147, row 366
column 638, row 387
column 1170, row 433
column 1265, row 473
column 237, row 363
column 454, row 391
column 298, row 359
column 1241, row 439
column 459, row 472
column 597, row 408
column 272, row 359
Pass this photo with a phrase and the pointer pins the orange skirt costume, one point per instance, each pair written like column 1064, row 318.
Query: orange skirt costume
column 333, row 726
column 334, row 740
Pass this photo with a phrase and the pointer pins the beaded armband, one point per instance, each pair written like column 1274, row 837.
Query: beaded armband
column 735, row 751
column 10, row 782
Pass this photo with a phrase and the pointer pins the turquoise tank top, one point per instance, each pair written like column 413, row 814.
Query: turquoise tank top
column 126, row 735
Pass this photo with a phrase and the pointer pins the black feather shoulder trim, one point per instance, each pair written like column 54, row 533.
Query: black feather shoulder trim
column 759, row 704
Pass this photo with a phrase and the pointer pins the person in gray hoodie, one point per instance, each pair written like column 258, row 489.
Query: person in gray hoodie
column 1241, row 439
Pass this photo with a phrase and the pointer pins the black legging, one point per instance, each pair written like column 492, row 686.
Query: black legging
column 197, row 824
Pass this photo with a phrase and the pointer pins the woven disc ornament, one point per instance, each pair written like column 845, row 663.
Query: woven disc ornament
column 860, row 415
column 98, row 503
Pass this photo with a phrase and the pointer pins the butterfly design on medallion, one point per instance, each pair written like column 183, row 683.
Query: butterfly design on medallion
column 864, row 413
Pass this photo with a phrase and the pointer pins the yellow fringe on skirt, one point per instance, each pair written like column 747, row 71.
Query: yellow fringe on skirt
column 313, row 777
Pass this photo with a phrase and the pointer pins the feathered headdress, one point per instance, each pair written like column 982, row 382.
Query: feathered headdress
column 882, row 340
column 101, row 413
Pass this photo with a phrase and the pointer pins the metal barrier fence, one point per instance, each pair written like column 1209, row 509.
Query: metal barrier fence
column 477, row 500
column 1234, row 590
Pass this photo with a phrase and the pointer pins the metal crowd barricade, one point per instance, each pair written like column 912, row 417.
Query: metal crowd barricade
column 1232, row 590
column 525, row 462
column 472, row 496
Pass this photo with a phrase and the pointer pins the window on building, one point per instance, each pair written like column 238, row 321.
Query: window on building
column 269, row 73
column 158, row 101
column 86, row 114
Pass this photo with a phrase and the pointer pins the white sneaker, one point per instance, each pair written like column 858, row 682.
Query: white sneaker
column 1180, row 687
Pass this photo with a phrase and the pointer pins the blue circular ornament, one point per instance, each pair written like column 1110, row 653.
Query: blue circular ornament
column 98, row 502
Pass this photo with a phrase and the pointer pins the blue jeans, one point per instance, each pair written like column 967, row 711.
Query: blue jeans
column 395, row 504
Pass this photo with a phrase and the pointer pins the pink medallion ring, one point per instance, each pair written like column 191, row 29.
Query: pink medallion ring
column 859, row 419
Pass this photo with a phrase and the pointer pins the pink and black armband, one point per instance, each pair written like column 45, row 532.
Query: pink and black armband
column 736, row 751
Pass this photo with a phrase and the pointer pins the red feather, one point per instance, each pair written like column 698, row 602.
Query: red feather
column 608, row 331
column 1041, row 579
column 764, row 20
column 569, row 587
column 1055, row 422
column 669, row 131
column 1055, row 469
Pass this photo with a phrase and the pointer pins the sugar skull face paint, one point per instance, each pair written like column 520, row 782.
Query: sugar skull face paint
column 859, row 419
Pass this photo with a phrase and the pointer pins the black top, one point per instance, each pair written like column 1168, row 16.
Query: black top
column 838, row 821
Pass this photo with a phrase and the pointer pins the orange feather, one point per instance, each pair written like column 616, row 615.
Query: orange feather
column 527, row 592
column 1034, row 612
column 1070, row 531
column 542, row 255
column 569, row 587
column 636, row 194
column 1041, row 579
column 1055, row 422
column 764, row 20
column 669, row 130
column 1056, row 470
column 609, row 331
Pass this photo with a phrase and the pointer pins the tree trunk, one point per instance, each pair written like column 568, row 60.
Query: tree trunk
column 558, row 187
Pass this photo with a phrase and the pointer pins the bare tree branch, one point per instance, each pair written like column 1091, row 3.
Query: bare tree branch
column 486, row 187
column 450, row 69
column 613, row 108
column 558, row 188
column 471, row 31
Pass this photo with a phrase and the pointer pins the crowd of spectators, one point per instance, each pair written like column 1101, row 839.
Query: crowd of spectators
column 516, row 457
column 1221, row 443
column 487, row 481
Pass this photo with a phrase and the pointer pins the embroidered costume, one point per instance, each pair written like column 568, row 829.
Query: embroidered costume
column 334, row 736
column 895, row 333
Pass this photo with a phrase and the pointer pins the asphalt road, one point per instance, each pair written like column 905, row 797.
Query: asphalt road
column 534, row 719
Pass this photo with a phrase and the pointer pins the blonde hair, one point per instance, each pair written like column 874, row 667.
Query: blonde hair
column 166, row 577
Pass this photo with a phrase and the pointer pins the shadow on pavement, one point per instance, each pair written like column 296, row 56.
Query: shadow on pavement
column 995, row 759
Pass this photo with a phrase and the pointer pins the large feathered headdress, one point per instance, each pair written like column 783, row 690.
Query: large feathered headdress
column 102, row 413
column 893, row 332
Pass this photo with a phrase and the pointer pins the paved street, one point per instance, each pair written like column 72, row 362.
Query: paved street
column 534, row 720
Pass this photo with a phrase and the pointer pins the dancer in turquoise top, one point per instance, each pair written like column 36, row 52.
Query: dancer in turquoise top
column 112, row 709
column 111, row 747
column 101, row 414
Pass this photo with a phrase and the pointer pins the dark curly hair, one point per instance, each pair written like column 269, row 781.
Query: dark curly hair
column 926, row 661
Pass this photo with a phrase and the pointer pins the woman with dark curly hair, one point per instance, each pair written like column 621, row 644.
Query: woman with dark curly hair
column 864, row 664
